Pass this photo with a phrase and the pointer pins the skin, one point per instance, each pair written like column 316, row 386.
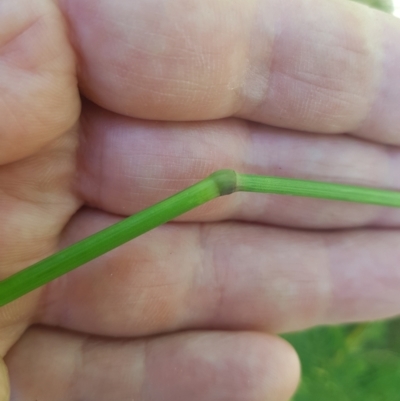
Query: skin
column 169, row 91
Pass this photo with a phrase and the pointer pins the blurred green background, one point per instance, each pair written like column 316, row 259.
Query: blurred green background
column 385, row 5
column 359, row 362
column 349, row 363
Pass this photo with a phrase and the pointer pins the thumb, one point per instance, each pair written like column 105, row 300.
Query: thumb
column 4, row 382
column 38, row 90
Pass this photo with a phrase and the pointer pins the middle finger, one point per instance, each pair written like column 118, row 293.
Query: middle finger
column 128, row 164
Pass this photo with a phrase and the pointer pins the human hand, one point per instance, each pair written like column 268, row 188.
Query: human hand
column 174, row 90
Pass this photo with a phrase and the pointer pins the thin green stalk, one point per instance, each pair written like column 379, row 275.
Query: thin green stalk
column 222, row 182
column 317, row 189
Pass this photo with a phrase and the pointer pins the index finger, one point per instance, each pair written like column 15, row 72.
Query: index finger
column 323, row 66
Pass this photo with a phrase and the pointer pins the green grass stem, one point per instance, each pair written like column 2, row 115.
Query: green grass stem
column 222, row 182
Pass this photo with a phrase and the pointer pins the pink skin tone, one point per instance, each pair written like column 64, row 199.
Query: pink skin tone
column 169, row 91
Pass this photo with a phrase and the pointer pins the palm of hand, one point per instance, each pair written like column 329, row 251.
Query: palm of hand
column 215, row 275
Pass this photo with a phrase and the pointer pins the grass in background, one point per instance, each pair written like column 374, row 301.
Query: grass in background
column 349, row 363
column 384, row 5
column 358, row 362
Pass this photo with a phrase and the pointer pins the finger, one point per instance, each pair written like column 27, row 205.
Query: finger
column 50, row 366
column 126, row 165
column 226, row 276
column 38, row 90
column 322, row 66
